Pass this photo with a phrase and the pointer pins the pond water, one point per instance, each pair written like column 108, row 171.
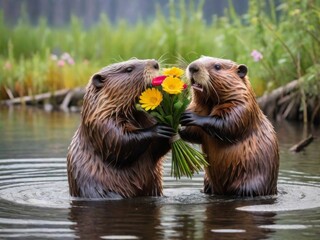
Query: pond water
column 35, row 203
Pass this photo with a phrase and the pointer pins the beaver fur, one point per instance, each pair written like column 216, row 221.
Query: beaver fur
column 117, row 150
column 239, row 141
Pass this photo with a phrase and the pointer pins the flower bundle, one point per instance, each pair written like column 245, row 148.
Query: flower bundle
column 166, row 100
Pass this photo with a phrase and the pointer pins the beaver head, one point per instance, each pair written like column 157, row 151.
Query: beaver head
column 221, row 90
column 216, row 81
column 115, row 89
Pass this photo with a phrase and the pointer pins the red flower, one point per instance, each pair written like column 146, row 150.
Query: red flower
column 185, row 86
column 157, row 81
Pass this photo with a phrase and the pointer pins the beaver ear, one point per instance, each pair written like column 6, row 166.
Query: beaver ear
column 242, row 70
column 97, row 81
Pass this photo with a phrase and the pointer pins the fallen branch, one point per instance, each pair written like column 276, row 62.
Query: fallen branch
column 76, row 93
column 277, row 93
column 9, row 93
column 38, row 97
column 302, row 144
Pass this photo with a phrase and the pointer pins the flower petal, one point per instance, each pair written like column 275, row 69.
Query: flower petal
column 150, row 99
column 157, row 81
column 172, row 85
column 174, row 71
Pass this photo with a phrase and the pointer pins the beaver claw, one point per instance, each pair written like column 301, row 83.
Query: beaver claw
column 207, row 123
column 164, row 131
column 191, row 119
column 211, row 125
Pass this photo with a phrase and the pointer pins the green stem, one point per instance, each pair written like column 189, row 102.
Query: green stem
column 193, row 162
column 182, row 161
column 283, row 44
column 175, row 156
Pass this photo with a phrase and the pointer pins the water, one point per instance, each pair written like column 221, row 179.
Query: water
column 35, row 203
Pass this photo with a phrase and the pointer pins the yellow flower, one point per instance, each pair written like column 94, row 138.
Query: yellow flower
column 174, row 71
column 150, row 98
column 172, row 85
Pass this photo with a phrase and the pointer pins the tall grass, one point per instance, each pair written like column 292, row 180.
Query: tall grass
column 287, row 35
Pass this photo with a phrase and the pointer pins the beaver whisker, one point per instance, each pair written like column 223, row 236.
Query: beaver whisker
column 161, row 59
column 114, row 60
column 213, row 88
column 182, row 62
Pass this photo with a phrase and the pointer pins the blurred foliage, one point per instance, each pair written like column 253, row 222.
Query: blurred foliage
column 287, row 36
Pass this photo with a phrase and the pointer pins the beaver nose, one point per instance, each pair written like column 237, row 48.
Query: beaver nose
column 155, row 64
column 193, row 68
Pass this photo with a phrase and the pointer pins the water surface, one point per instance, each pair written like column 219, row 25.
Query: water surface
column 35, row 204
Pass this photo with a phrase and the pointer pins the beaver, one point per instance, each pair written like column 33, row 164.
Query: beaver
column 117, row 150
column 237, row 138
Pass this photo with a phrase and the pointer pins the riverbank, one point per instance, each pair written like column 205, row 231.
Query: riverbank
column 283, row 103
column 277, row 41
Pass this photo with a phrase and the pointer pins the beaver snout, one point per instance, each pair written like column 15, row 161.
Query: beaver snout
column 193, row 68
column 194, row 75
column 155, row 64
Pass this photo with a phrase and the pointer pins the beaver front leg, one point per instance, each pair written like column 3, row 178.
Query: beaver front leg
column 128, row 146
column 191, row 134
column 223, row 128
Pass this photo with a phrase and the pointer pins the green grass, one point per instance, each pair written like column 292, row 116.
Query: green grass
column 287, row 36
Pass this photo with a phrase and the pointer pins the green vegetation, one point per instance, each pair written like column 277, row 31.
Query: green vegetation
column 287, row 36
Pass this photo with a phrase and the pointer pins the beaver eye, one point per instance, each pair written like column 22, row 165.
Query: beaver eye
column 217, row 67
column 129, row 69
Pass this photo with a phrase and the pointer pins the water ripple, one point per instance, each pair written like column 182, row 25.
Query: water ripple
column 43, row 183
column 35, row 204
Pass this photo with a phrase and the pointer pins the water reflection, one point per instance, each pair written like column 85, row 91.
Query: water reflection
column 35, row 204
column 115, row 218
column 238, row 224
column 31, row 132
column 152, row 220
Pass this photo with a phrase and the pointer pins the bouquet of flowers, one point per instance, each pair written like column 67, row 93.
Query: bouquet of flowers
column 166, row 100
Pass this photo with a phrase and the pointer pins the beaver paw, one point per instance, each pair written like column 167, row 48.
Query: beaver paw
column 192, row 119
column 163, row 131
column 207, row 123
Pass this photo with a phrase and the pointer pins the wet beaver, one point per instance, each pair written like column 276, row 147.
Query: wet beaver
column 239, row 141
column 117, row 150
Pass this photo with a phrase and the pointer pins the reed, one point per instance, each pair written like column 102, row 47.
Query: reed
column 286, row 35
